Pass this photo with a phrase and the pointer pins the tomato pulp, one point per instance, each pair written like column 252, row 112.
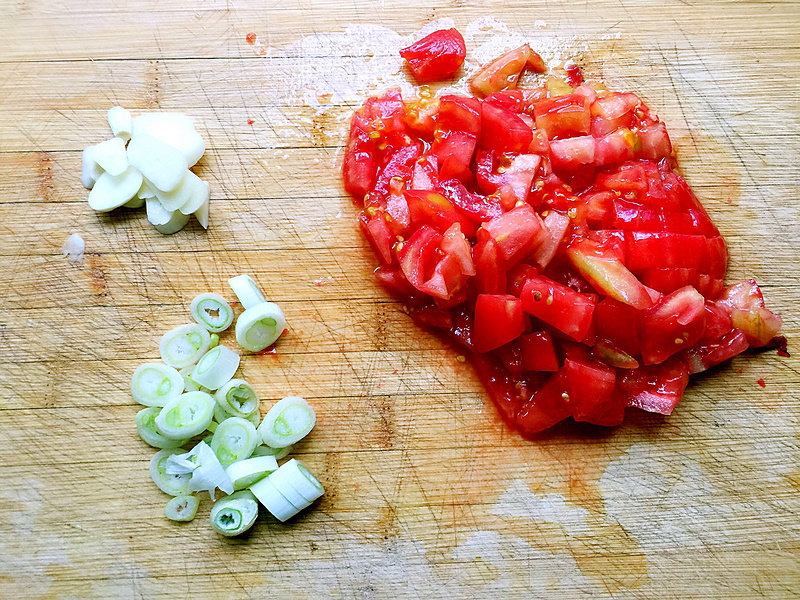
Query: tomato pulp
column 550, row 236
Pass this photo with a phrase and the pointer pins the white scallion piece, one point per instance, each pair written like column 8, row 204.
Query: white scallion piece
column 245, row 473
column 160, row 163
column 110, row 192
column 292, row 475
column 110, row 156
column 186, row 416
column 212, row 311
column 234, row 439
column 90, row 170
column 275, row 502
column 198, row 193
column 278, row 453
column 287, row 422
column 246, row 290
column 234, row 514
column 188, row 383
column 146, row 427
column 220, row 414
column 237, row 398
column 184, row 345
column 216, row 367
column 207, row 473
column 175, row 129
column 260, row 326
column 182, row 508
column 120, row 120
column 176, row 484
column 154, row 384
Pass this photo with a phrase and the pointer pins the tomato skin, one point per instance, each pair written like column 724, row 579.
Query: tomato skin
column 437, row 56
column 504, row 71
column 400, row 165
column 360, row 163
column 619, row 324
column 457, row 113
column 559, row 306
column 673, row 324
column 498, row 321
column 517, row 233
column 491, row 276
column 472, row 206
column 705, row 355
column 547, row 407
column 503, row 131
column 430, row 208
column 563, row 116
column 657, row 388
column 556, row 226
column 590, row 386
column 538, row 352
column 454, row 150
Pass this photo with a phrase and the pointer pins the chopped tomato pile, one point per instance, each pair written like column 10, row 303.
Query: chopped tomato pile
column 547, row 232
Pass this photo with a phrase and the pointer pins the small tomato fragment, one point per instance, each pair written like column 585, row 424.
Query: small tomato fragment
column 498, row 320
column 437, row 56
column 504, row 72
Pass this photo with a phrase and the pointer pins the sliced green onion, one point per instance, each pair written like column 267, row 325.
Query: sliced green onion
column 287, row 422
column 174, row 484
column 245, row 473
column 146, row 426
column 278, row 453
column 234, row 514
column 292, row 475
column 214, row 341
column 212, row 427
column 216, row 367
column 260, row 326
column 185, row 416
column 235, row 439
column 288, row 491
column 182, row 508
column 182, row 346
column 212, row 311
column 246, row 290
column 154, row 384
column 238, row 398
column 189, row 384
column 275, row 502
column 207, row 473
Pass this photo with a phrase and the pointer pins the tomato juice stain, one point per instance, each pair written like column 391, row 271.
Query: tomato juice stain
column 251, row 38
column 762, row 383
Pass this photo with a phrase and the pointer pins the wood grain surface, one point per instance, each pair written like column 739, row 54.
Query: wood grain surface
column 429, row 495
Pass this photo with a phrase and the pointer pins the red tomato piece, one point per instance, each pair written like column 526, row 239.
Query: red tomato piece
column 421, row 116
column 504, row 72
column 457, row 113
column 565, row 309
column 646, row 250
column 491, row 276
column 360, row 163
column 613, row 111
column 573, row 153
column 556, row 226
column 474, row 207
column 675, row 323
column 667, row 280
column 617, row 146
column 759, row 325
column 419, row 255
column 547, row 407
column 657, row 388
column 437, row 56
column 517, row 233
column 705, row 355
column 386, row 114
column 504, row 389
column 455, row 244
column 394, row 282
column 498, row 320
column 607, row 274
column 538, row 352
column 400, row 166
column 430, row 208
column 563, row 116
column 654, row 142
column 379, row 235
column 426, row 173
column 454, row 150
column 503, row 131
column 619, row 324
column 590, row 386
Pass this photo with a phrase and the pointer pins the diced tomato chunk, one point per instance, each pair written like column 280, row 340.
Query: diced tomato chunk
column 454, row 150
column 563, row 116
column 491, row 275
column 619, row 324
column 475, row 207
column 675, row 323
column 573, row 153
column 504, row 72
column 437, row 56
column 360, row 163
column 430, row 208
column 560, row 306
column 498, row 320
column 503, row 131
column 759, row 324
column 654, row 142
column 657, row 388
column 538, row 352
column 590, row 386
column 517, row 233
column 379, row 235
column 705, row 355
column 547, row 407
column 457, row 113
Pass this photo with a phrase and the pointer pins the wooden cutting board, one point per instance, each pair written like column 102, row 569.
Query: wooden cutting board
column 429, row 495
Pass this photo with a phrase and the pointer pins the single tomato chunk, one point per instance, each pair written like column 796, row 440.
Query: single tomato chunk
column 607, row 274
column 379, row 235
column 563, row 116
column 504, row 72
column 498, row 321
column 360, row 163
column 657, row 388
column 457, row 113
column 674, row 323
column 589, row 385
column 565, row 309
column 538, row 352
column 550, row 405
column 619, row 324
column 454, row 150
column 437, row 56
column 430, row 208
column 491, row 276
column 517, row 233
column 503, row 131
column 707, row 354
column 475, row 207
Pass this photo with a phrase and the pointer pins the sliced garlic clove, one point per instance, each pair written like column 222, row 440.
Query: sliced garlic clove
column 199, row 195
column 120, row 120
column 201, row 214
column 90, row 170
column 146, row 191
column 110, row 156
column 165, row 221
column 134, row 202
column 175, row 129
column 161, row 164
column 176, row 198
column 110, row 192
